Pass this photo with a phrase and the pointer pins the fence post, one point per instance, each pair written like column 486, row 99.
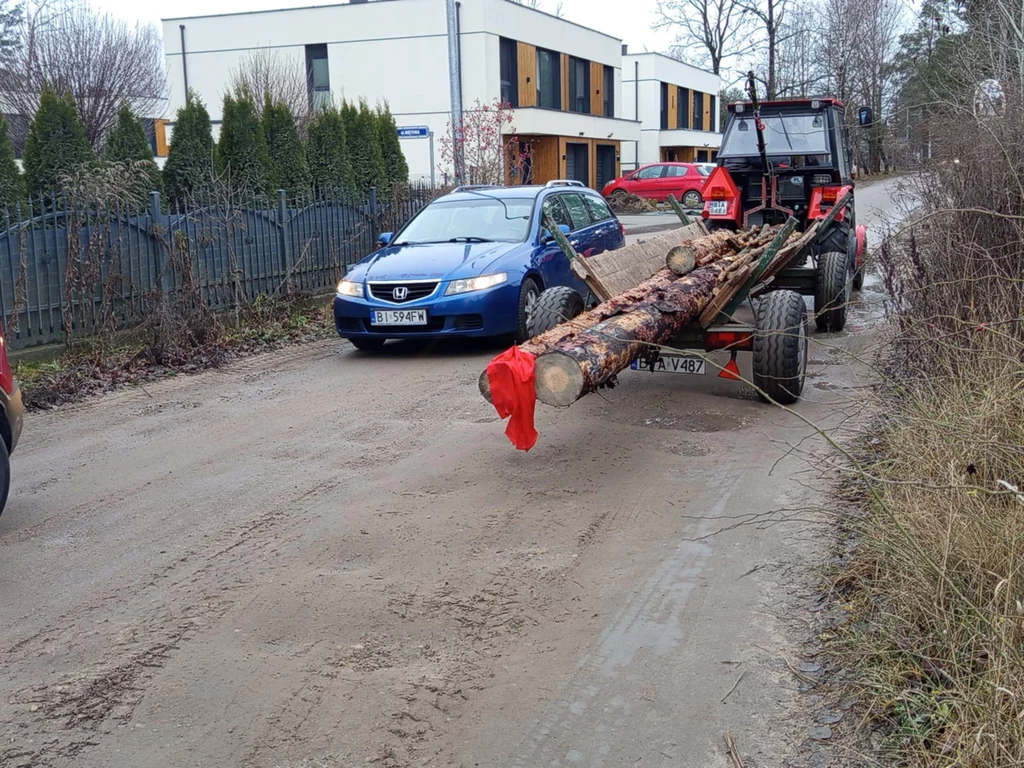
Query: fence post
column 161, row 256
column 374, row 225
column 282, row 231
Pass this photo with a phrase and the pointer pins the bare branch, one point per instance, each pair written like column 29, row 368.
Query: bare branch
column 101, row 61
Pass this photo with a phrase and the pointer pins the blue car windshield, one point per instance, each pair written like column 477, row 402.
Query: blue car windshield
column 485, row 220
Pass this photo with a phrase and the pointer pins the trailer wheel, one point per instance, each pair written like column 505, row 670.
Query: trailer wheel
column 553, row 306
column 833, row 287
column 780, row 347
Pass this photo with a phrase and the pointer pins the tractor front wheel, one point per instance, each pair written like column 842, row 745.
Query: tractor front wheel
column 554, row 306
column 833, row 287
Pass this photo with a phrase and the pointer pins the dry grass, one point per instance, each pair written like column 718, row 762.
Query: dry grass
column 937, row 579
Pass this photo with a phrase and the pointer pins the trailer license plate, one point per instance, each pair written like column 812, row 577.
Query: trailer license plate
column 695, row 366
column 399, row 317
column 718, row 207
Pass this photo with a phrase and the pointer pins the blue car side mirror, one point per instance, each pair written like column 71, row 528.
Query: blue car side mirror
column 546, row 236
column 384, row 238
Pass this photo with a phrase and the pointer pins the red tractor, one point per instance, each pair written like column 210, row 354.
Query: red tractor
column 784, row 159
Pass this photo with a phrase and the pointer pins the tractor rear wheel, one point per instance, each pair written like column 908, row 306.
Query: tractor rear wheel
column 780, row 347
column 858, row 269
column 554, row 306
column 833, row 287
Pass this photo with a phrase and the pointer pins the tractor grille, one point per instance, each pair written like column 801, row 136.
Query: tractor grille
column 787, row 189
column 411, row 291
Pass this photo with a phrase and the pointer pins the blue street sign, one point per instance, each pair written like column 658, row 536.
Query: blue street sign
column 413, row 132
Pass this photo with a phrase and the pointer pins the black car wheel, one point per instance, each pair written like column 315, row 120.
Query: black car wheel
column 780, row 347
column 5, row 475
column 368, row 345
column 693, row 199
column 554, row 306
column 529, row 292
column 833, row 287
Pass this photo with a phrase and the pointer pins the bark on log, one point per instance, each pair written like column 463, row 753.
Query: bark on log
column 575, row 367
column 704, row 250
column 573, row 328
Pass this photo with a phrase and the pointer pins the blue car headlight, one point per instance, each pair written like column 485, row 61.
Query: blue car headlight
column 349, row 288
column 470, row 284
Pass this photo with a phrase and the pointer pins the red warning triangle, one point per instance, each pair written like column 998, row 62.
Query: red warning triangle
column 731, row 370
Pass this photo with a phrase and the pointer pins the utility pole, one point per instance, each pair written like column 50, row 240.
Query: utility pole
column 454, row 77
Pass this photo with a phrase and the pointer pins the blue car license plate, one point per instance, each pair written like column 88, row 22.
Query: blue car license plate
column 399, row 317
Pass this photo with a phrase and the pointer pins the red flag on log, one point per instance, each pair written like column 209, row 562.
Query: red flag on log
column 512, row 392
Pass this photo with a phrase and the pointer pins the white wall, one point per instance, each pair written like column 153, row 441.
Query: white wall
column 655, row 69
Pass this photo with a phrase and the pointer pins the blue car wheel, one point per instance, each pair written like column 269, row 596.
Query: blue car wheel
column 529, row 292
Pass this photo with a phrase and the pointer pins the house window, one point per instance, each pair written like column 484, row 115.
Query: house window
column 713, row 111
column 664, row 106
column 579, row 85
column 684, row 108
column 318, row 75
column 509, row 72
column 608, row 89
column 549, row 80
column 698, row 110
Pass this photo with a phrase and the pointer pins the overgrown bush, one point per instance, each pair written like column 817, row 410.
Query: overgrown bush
column 127, row 145
column 364, row 148
column 191, row 158
column 938, row 575
column 287, row 153
column 242, row 153
column 12, row 187
column 56, row 143
column 390, row 146
column 330, row 164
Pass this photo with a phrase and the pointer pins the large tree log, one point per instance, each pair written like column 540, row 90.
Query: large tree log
column 570, row 329
column 718, row 248
column 575, row 367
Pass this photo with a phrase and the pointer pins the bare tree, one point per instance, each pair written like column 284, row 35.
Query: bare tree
column 798, row 68
column 716, row 26
column 874, row 60
column 770, row 15
column 101, row 61
column 265, row 72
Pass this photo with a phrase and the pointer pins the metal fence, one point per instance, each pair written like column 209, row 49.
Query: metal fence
column 69, row 270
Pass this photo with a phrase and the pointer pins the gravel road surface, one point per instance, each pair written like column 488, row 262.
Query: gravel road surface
column 321, row 557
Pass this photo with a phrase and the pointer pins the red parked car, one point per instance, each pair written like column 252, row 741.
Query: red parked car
column 10, row 420
column 656, row 182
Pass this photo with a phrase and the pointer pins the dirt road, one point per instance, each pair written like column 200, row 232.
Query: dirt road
column 326, row 558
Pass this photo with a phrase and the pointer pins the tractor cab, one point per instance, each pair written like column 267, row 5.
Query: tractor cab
column 779, row 159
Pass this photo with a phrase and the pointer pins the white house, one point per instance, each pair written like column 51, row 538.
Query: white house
column 677, row 107
column 564, row 80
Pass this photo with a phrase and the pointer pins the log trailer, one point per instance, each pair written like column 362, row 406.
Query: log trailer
column 779, row 223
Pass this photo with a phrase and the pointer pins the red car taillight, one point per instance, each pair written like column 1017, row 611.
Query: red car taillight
column 6, row 374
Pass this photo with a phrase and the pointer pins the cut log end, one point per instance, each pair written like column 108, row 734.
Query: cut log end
column 681, row 260
column 558, row 379
column 485, row 385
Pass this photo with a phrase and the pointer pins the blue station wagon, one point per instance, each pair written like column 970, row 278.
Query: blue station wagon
column 472, row 263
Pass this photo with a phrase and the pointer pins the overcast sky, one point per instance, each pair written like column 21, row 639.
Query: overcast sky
column 630, row 21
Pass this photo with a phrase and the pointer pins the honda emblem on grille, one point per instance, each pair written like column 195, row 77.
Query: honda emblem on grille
column 400, row 293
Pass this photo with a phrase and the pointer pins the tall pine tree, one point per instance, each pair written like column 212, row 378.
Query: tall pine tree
column 288, row 167
column 56, row 143
column 364, row 148
column 11, row 184
column 327, row 149
column 391, row 147
column 242, row 147
column 189, row 171
column 127, row 143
